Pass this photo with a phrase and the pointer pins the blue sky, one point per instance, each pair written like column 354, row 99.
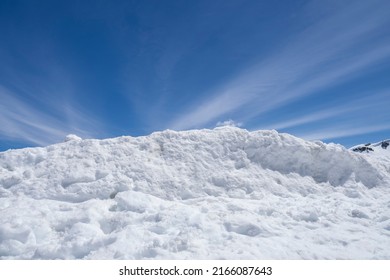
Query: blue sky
column 98, row 69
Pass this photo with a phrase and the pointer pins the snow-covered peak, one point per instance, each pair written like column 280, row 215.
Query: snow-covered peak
column 379, row 147
column 377, row 153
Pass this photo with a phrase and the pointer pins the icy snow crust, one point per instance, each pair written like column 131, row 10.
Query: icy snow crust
column 204, row 194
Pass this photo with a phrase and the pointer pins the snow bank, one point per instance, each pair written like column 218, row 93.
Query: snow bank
column 222, row 193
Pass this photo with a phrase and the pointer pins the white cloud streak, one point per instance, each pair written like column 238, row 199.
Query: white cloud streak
column 21, row 121
column 356, row 109
column 342, row 131
column 229, row 123
column 330, row 52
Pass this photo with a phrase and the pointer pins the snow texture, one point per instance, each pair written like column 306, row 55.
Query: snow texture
column 203, row 194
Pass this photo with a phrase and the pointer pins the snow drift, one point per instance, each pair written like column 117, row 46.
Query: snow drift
column 201, row 194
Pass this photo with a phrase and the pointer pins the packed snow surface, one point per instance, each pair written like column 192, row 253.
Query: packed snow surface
column 204, row 194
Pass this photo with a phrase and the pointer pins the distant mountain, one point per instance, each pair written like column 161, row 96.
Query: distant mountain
column 225, row 193
column 375, row 147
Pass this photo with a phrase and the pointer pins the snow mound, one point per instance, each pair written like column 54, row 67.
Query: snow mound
column 222, row 193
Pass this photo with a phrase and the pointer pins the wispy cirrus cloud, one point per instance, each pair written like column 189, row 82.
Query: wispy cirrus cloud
column 342, row 131
column 340, row 46
column 20, row 120
column 39, row 105
column 349, row 113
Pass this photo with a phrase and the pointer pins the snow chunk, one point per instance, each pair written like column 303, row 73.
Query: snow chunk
column 72, row 137
column 359, row 214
